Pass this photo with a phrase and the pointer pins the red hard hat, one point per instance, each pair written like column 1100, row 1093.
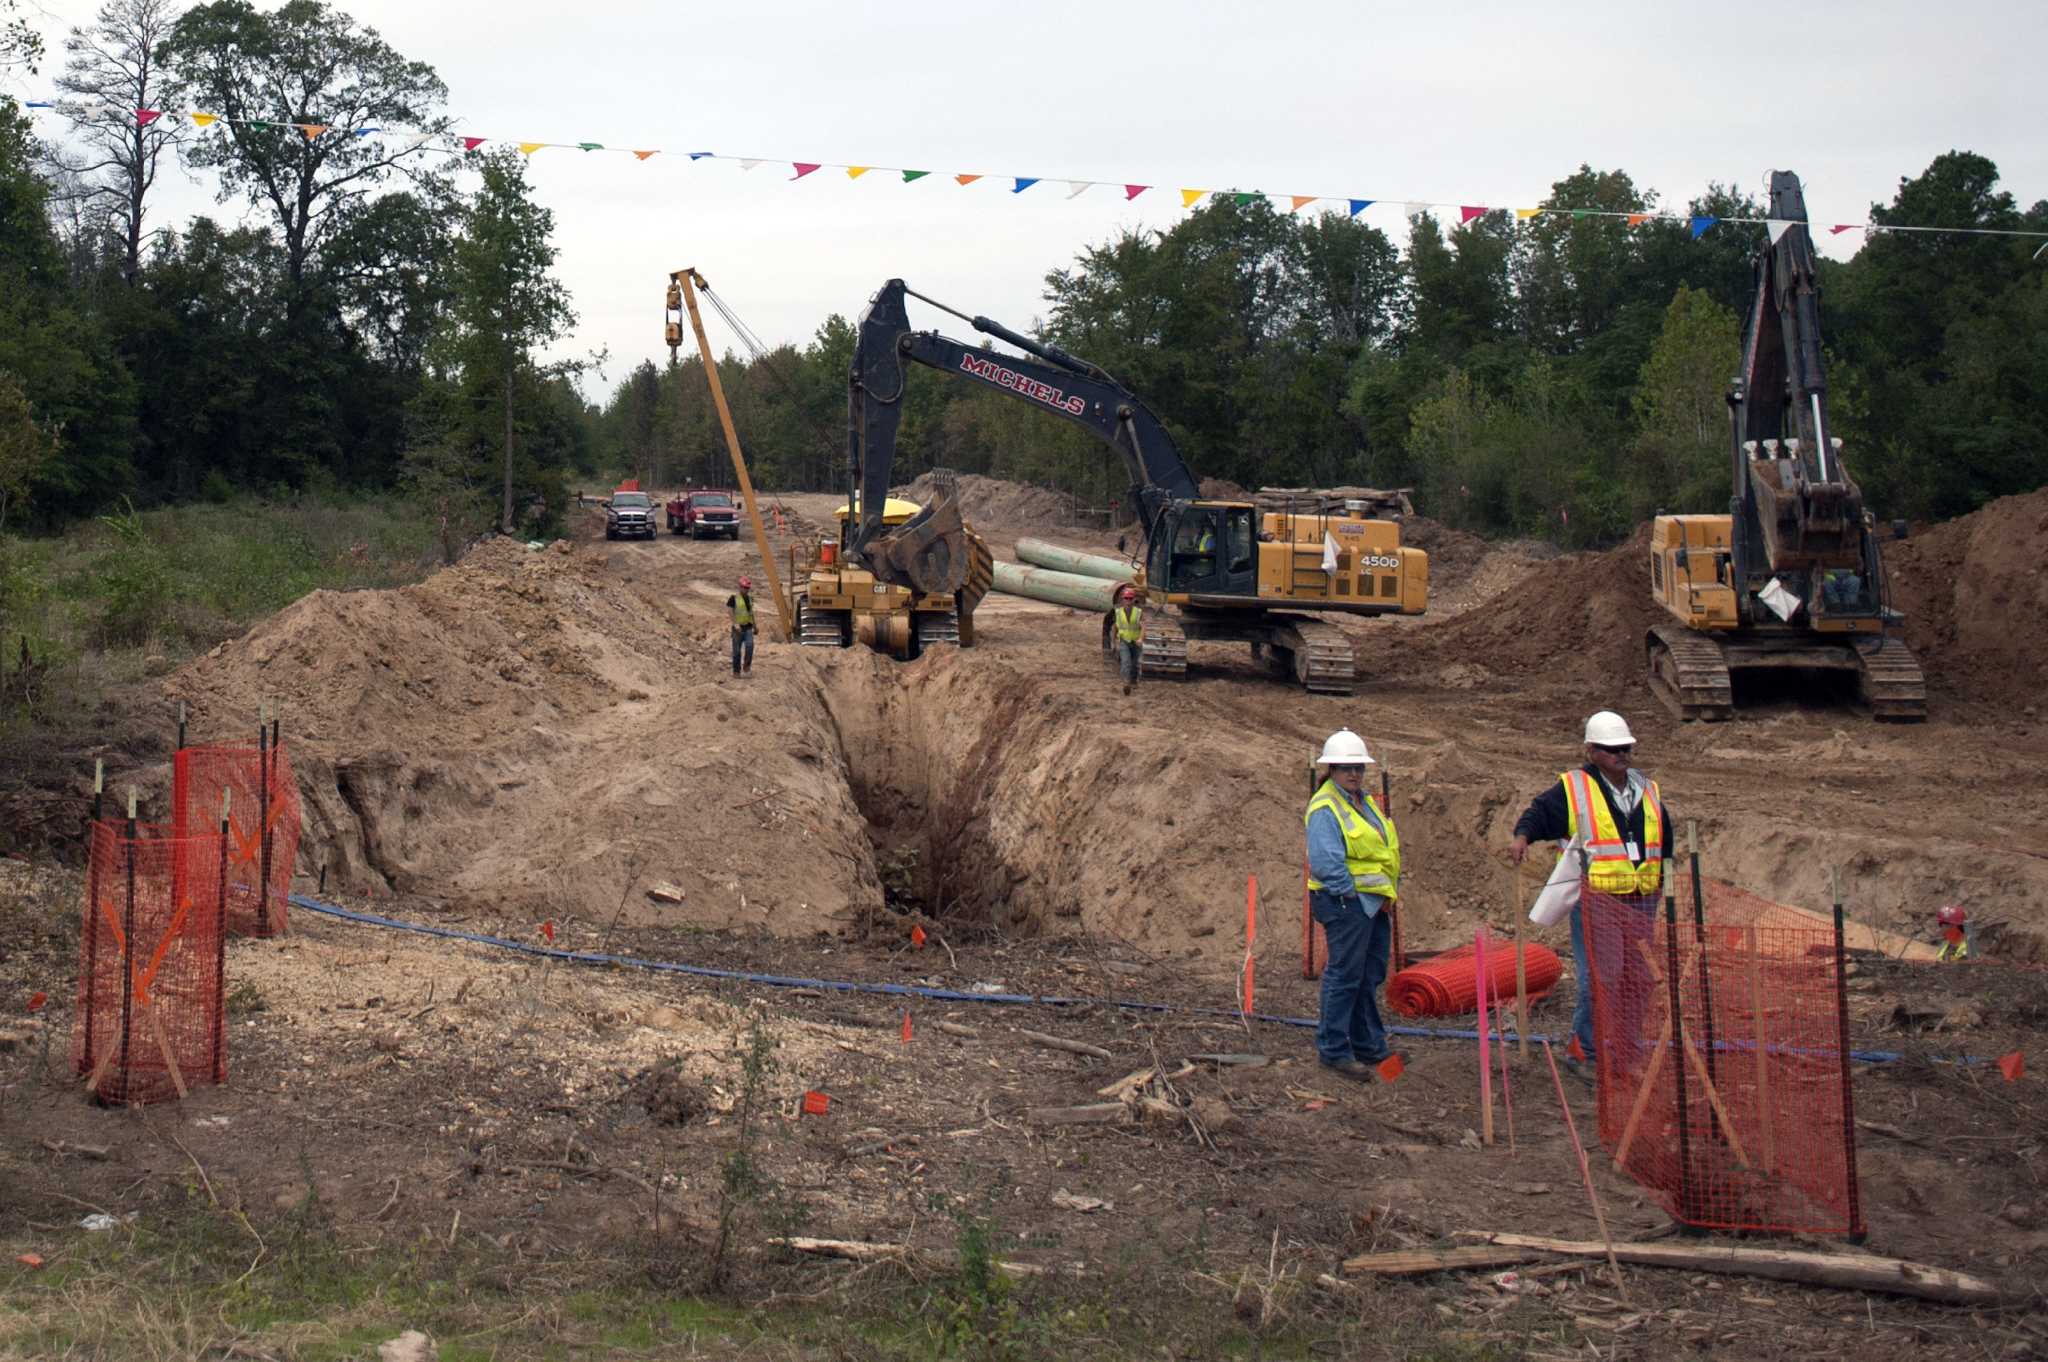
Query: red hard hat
column 746, row 583
column 1128, row 593
column 1951, row 915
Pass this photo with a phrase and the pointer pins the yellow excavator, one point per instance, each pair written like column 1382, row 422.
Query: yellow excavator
column 1213, row 569
column 1791, row 577
column 842, row 601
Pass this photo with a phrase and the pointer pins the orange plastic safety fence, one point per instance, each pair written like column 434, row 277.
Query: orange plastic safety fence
column 150, row 1022
column 263, row 825
column 1720, row 1051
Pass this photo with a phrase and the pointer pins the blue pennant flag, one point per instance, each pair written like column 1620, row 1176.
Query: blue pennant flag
column 365, row 132
column 1024, row 184
column 1359, row 206
column 700, row 155
column 40, row 104
column 1700, row 223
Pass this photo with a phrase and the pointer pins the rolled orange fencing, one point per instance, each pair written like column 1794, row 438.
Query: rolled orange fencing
column 1447, row 985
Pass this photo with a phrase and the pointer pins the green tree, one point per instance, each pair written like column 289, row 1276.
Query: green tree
column 273, row 78
column 24, row 445
column 1681, row 406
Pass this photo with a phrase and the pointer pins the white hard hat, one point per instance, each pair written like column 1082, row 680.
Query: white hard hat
column 1609, row 729
column 1345, row 748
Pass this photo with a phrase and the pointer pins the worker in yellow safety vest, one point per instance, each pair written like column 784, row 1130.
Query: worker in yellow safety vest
column 1955, row 936
column 1128, row 623
column 1354, row 877
column 1615, row 816
column 741, row 604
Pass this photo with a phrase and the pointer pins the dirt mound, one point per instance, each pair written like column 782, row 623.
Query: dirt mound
column 1222, row 489
column 996, row 502
column 1975, row 598
column 1465, row 568
column 1576, row 619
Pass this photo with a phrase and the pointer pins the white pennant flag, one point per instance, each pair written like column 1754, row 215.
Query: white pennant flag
column 1416, row 210
column 749, row 162
column 1777, row 227
column 1080, row 187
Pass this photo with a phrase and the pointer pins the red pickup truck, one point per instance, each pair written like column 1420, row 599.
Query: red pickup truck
column 704, row 513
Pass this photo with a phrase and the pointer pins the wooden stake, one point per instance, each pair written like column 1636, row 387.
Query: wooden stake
column 1699, row 1066
column 1642, row 1102
column 1521, row 965
column 1763, row 1059
column 1585, row 1172
column 1485, row 1058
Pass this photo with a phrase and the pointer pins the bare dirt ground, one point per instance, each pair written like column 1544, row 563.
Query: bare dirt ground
column 545, row 736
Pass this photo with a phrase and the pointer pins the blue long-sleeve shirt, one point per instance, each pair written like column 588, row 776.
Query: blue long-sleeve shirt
column 1326, row 863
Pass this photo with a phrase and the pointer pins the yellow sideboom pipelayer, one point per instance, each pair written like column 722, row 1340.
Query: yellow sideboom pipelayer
column 843, row 602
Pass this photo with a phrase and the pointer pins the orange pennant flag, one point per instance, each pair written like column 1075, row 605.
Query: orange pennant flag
column 1188, row 197
column 528, row 148
column 2012, row 1066
column 36, row 1001
column 855, row 172
column 817, row 1103
column 1391, row 1068
column 906, row 1026
column 312, row 130
column 917, row 938
column 1638, row 219
column 1302, row 201
column 966, row 179
column 643, row 155
column 547, row 929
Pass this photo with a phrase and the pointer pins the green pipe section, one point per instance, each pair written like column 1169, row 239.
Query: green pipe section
column 1060, row 588
column 1041, row 554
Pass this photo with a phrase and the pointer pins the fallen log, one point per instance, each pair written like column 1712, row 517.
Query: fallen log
column 956, row 1029
column 1072, row 1047
column 1846, row 1271
column 853, row 1250
column 1419, row 1261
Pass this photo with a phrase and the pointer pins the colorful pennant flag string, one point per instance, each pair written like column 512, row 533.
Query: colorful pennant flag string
column 1696, row 224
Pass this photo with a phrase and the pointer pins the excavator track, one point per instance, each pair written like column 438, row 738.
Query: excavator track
column 1892, row 683
column 933, row 628
column 820, row 629
column 1324, row 662
column 1689, row 673
column 1165, row 649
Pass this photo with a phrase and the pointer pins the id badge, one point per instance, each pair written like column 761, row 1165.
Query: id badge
column 1633, row 853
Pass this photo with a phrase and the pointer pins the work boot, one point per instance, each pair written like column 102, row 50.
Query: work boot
column 1579, row 1069
column 1349, row 1068
column 1127, row 688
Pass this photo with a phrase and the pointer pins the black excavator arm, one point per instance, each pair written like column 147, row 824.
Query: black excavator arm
column 1054, row 381
column 1796, row 511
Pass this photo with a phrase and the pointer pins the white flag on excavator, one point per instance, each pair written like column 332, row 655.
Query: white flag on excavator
column 1329, row 554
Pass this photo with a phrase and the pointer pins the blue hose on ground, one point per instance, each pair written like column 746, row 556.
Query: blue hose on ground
column 946, row 995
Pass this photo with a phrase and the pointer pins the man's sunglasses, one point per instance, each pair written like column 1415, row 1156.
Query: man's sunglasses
column 1346, row 766
column 1624, row 750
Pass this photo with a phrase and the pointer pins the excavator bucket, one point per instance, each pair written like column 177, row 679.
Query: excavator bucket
column 928, row 553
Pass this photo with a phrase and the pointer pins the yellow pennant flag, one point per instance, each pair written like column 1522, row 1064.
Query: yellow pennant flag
column 1302, row 201
column 855, row 172
column 642, row 155
column 1527, row 212
column 1188, row 197
column 201, row 120
column 312, row 130
column 528, row 148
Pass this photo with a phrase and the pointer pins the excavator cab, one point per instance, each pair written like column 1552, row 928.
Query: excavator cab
column 1206, row 549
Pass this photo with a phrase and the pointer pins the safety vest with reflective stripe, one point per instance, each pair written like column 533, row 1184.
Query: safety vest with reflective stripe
column 1374, row 861
column 1608, row 867
column 742, row 611
column 1130, row 623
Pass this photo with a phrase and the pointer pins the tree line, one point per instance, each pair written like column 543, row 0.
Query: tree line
column 372, row 315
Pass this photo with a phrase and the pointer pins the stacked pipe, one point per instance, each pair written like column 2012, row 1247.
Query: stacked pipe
column 1061, row 588
column 1447, row 985
column 1039, row 553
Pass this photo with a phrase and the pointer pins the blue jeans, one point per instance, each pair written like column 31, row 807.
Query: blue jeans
column 1127, row 660
column 743, row 644
column 1620, row 966
column 1350, row 1025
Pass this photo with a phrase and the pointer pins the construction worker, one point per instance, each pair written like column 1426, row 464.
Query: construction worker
column 1354, row 876
column 1129, row 619
column 742, row 607
column 1627, row 835
column 1955, row 937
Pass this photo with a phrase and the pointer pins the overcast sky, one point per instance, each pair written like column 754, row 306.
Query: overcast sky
column 1483, row 103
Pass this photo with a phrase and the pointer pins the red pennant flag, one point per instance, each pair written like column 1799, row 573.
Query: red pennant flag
column 1131, row 191
column 36, row 1001
column 1391, row 1068
column 816, row 1103
column 1842, row 227
column 547, row 929
column 917, row 938
column 906, row 1026
column 1467, row 212
column 1576, row 1051
column 804, row 168
column 145, row 117
column 472, row 143
column 2012, row 1066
